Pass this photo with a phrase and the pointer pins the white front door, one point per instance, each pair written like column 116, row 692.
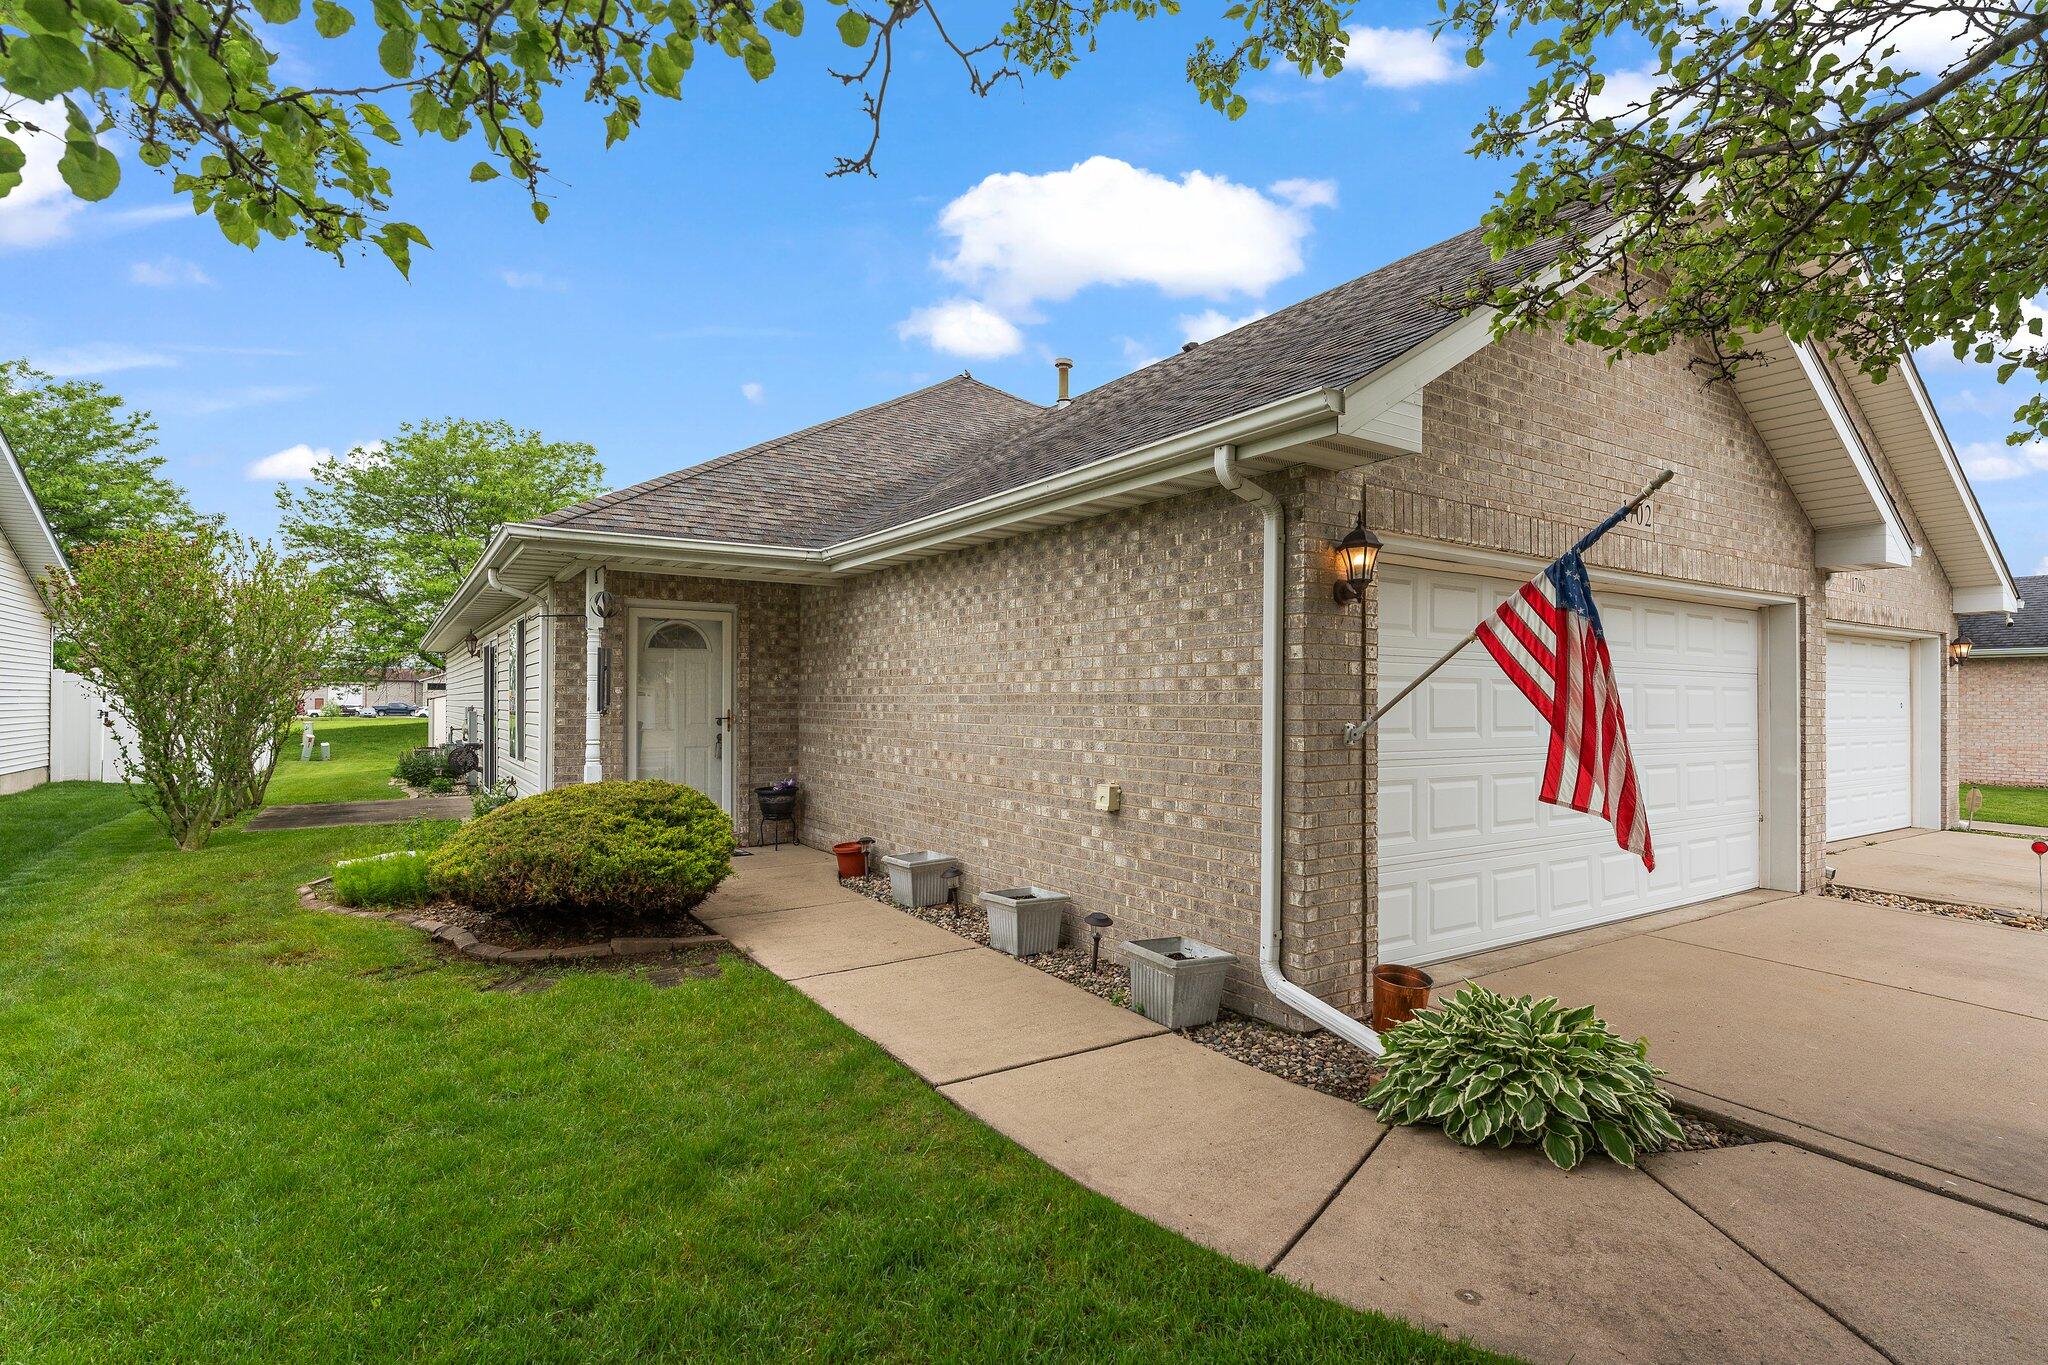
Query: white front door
column 680, row 720
column 1870, row 735
column 1468, row 858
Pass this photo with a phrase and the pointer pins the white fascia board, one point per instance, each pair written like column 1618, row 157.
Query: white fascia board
column 28, row 530
column 1968, row 495
column 1979, row 601
column 1309, row 415
column 1884, row 543
column 1392, row 384
column 1987, row 653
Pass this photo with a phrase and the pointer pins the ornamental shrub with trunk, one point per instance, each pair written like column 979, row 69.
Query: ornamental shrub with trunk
column 1488, row 1068
column 202, row 643
column 602, row 848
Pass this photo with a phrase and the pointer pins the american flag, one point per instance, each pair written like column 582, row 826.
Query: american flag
column 1547, row 638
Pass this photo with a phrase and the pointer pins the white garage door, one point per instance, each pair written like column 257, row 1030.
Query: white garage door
column 1469, row 858
column 1870, row 735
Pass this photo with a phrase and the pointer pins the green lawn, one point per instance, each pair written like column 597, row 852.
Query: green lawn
column 2012, row 805
column 232, row 1128
column 362, row 753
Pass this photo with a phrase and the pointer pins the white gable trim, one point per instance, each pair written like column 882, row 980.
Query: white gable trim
column 22, row 520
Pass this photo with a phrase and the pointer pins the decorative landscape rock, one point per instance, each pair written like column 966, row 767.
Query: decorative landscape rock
column 919, row 879
column 1024, row 921
column 1176, row 981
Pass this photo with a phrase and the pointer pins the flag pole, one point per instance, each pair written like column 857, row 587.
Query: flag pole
column 1355, row 731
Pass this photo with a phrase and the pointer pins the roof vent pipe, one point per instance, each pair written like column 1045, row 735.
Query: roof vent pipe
column 1064, row 366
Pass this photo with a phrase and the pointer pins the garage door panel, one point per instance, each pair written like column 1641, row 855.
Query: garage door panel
column 1870, row 735
column 1469, row 858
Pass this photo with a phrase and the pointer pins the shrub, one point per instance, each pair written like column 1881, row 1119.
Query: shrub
column 441, row 784
column 384, row 879
column 1493, row 1069
column 420, row 767
column 484, row 800
column 604, row 847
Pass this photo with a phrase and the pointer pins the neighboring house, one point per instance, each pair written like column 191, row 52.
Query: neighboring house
column 2005, row 692
column 28, row 552
column 406, row 685
column 953, row 614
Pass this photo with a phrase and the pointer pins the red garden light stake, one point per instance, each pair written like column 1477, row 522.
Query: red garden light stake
column 2040, row 889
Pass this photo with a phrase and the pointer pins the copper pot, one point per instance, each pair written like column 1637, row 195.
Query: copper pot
column 1397, row 992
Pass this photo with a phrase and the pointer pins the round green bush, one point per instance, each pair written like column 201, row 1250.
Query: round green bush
column 606, row 848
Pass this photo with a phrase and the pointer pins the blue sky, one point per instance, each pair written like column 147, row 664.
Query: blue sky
column 703, row 285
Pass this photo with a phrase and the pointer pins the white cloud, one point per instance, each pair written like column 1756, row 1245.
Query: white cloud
column 1307, row 194
column 753, row 392
column 963, row 327
column 299, row 461
column 1211, row 322
column 167, row 272
column 1020, row 239
column 2042, row 567
column 293, row 462
column 1623, row 93
column 1403, row 58
column 214, row 401
column 532, row 279
column 39, row 210
column 1994, row 461
column 74, row 362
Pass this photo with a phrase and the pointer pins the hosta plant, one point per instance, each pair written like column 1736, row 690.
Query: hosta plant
column 1490, row 1068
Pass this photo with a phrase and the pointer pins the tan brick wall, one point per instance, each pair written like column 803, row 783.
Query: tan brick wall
column 971, row 702
column 2004, row 720
column 765, row 673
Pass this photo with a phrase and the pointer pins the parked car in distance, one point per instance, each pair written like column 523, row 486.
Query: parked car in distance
column 397, row 708
column 365, row 712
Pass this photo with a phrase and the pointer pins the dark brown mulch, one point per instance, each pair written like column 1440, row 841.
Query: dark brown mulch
column 506, row 931
column 1321, row 1061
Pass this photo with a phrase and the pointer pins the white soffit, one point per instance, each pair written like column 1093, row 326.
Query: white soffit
column 1909, row 431
column 1792, row 403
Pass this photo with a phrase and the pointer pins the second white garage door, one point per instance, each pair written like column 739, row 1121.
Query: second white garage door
column 1870, row 735
column 1469, row 859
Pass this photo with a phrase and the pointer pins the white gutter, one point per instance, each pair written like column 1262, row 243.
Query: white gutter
column 1272, row 675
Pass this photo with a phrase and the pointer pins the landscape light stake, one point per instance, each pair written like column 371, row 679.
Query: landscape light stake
column 1098, row 922
column 2040, row 879
column 1355, row 732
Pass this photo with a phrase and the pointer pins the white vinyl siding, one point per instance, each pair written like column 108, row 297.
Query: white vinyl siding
column 1469, row 859
column 1870, row 736
column 24, row 670
column 526, row 764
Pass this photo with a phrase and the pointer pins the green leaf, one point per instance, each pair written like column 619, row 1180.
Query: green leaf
column 1559, row 1149
column 89, row 169
column 540, row 211
column 331, row 20
column 12, row 159
column 43, row 66
column 482, row 171
column 759, row 61
column 277, row 11
column 394, row 53
column 854, row 28
column 1475, row 56
column 1571, row 1107
column 1615, row 1141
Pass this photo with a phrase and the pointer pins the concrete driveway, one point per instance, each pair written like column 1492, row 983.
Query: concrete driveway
column 1948, row 865
column 1904, row 1042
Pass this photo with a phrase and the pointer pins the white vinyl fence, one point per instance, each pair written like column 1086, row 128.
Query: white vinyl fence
column 84, row 732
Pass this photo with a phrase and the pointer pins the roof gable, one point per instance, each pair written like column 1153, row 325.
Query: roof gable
column 22, row 521
column 1989, row 632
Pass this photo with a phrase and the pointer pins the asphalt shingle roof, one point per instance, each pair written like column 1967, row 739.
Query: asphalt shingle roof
column 2029, row 628
column 960, row 440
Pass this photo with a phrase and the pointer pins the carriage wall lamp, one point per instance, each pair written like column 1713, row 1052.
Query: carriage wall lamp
column 1358, row 554
column 1958, row 651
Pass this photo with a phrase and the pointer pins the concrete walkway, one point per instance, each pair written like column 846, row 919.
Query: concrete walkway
column 1708, row 1256
column 1946, row 865
column 323, row 814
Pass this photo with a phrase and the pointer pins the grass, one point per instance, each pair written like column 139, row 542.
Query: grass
column 236, row 1129
column 2011, row 805
column 363, row 753
column 395, row 878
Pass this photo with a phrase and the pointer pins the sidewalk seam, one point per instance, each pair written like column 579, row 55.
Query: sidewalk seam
column 1316, row 1215
column 1780, row 1275
column 1038, row 1061
column 1845, row 976
column 870, row 966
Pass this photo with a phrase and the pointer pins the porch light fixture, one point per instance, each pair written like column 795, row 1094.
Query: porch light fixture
column 1958, row 651
column 1358, row 554
column 605, row 605
column 470, row 643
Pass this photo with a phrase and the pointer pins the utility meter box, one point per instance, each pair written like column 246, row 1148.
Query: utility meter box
column 1109, row 797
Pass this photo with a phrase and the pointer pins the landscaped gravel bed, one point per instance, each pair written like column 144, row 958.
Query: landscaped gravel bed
column 1321, row 1061
column 2011, row 919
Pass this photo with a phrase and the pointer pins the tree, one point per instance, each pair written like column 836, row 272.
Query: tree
column 200, row 86
column 203, row 643
column 394, row 527
column 1866, row 172
column 88, row 456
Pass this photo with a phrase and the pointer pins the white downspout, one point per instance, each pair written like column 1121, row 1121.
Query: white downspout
column 1272, row 673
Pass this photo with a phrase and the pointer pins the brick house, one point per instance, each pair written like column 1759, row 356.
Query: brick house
column 2004, row 683
column 953, row 614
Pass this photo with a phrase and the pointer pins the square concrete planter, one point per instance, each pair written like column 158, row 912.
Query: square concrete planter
column 1177, row 982
column 1024, row 921
column 918, row 878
